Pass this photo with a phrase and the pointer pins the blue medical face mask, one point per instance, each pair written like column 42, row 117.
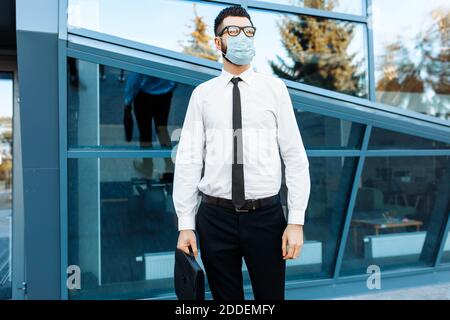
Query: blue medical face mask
column 240, row 49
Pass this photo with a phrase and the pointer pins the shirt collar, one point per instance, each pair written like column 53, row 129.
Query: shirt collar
column 246, row 76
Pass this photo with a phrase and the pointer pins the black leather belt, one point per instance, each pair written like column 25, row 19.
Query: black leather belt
column 250, row 204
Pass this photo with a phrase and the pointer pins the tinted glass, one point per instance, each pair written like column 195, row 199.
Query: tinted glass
column 342, row 6
column 319, row 131
column 98, row 95
column 331, row 181
column 401, row 207
column 446, row 252
column 181, row 26
column 122, row 227
column 326, row 53
column 412, row 55
column 6, row 181
column 386, row 139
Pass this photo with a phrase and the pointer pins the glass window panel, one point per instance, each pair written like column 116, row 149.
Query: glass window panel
column 331, row 182
column 327, row 53
column 167, row 24
column 342, row 6
column 6, row 181
column 122, row 227
column 97, row 95
column 400, row 209
column 446, row 252
column 386, row 139
column 319, row 131
column 412, row 55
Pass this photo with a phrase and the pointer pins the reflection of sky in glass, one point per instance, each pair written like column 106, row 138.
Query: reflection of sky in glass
column 394, row 20
column 342, row 6
column 267, row 39
column 157, row 22
column 166, row 23
column 6, row 97
column 171, row 25
column 173, row 22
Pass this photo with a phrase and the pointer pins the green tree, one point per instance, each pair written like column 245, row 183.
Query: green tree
column 427, row 76
column 435, row 48
column 199, row 42
column 318, row 52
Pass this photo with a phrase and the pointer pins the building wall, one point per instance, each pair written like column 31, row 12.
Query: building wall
column 37, row 46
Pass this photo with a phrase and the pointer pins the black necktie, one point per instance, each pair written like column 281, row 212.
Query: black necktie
column 237, row 181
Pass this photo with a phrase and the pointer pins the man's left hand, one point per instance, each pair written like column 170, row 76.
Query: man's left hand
column 292, row 241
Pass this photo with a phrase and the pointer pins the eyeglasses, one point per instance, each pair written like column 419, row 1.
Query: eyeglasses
column 234, row 31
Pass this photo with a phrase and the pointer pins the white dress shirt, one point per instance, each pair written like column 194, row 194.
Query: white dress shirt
column 269, row 129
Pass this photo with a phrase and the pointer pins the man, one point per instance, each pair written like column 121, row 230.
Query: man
column 151, row 98
column 238, row 124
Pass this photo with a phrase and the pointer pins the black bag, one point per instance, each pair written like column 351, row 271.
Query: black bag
column 188, row 277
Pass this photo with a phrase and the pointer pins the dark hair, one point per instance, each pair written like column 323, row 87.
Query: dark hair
column 232, row 11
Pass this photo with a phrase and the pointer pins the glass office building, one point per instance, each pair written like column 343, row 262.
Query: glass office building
column 370, row 87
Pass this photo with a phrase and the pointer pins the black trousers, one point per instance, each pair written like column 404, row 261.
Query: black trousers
column 225, row 236
column 148, row 107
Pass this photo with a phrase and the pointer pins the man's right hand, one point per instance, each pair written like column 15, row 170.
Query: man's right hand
column 187, row 239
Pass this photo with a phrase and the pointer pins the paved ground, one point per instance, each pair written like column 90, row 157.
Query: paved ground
column 432, row 292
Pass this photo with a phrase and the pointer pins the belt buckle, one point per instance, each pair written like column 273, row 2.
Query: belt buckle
column 247, row 210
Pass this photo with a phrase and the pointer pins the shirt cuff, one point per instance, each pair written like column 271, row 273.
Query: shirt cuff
column 296, row 217
column 186, row 222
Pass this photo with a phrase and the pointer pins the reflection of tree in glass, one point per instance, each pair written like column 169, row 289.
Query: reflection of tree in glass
column 318, row 48
column 199, row 45
column 436, row 54
column 428, row 74
column 6, row 142
column 399, row 75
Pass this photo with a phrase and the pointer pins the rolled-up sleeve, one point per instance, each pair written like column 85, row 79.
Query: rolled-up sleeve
column 294, row 157
column 189, row 164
